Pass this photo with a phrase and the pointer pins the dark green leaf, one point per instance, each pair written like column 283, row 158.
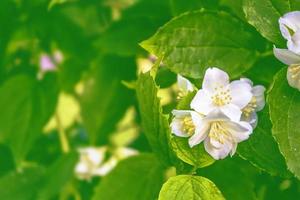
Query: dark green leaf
column 136, row 178
column 234, row 177
column 105, row 98
column 26, row 105
column 262, row 150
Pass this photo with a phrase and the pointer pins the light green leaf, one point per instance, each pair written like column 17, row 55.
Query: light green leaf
column 264, row 15
column 136, row 178
column 104, row 98
column 155, row 123
column 194, row 41
column 234, row 177
column 196, row 156
column 185, row 187
column 284, row 104
column 26, row 105
column 262, row 150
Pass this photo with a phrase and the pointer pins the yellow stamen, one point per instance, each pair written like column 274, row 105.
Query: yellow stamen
column 250, row 108
column 188, row 126
column 221, row 96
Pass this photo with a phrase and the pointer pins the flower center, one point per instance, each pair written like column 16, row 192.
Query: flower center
column 250, row 108
column 294, row 70
column 221, row 96
column 219, row 133
column 188, row 126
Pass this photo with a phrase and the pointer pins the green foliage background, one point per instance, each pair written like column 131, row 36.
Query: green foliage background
column 104, row 43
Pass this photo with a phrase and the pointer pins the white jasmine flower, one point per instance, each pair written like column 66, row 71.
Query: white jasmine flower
column 256, row 104
column 293, row 60
column 220, row 134
column 184, row 85
column 89, row 161
column 184, row 122
column 92, row 161
column 218, row 93
column 290, row 29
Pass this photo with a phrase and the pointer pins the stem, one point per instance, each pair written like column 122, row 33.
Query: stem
column 62, row 135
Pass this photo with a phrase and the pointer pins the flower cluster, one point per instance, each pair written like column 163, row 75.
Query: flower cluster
column 222, row 114
column 290, row 29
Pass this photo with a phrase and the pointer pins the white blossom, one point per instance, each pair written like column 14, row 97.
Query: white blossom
column 218, row 93
column 184, row 122
column 92, row 161
column 219, row 133
column 184, row 86
column 256, row 104
column 290, row 29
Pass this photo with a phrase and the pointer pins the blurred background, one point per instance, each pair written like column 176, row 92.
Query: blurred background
column 68, row 111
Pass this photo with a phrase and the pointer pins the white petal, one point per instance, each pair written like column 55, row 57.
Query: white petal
column 259, row 93
column 239, row 131
column 247, row 80
column 216, row 115
column 294, row 43
column 293, row 77
column 184, row 84
column 286, row 56
column 291, row 21
column 233, row 150
column 202, row 103
column 213, row 78
column 197, row 118
column 200, row 134
column 240, row 93
column 215, row 152
column 232, row 111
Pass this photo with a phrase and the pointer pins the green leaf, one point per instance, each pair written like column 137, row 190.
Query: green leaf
column 264, row 15
column 192, row 42
column 57, row 176
column 181, row 6
column 284, row 104
column 189, row 187
column 155, row 123
column 136, row 178
column 103, row 90
column 235, row 6
column 262, row 150
column 234, row 177
column 138, row 22
column 26, row 105
column 21, row 185
column 195, row 156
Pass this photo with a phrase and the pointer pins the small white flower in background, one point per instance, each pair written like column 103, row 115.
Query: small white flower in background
column 224, row 114
column 290, row 29
column 89, row 161
column 184, row 86
column 92, row 161
column 218, row 93
column 256, row 104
